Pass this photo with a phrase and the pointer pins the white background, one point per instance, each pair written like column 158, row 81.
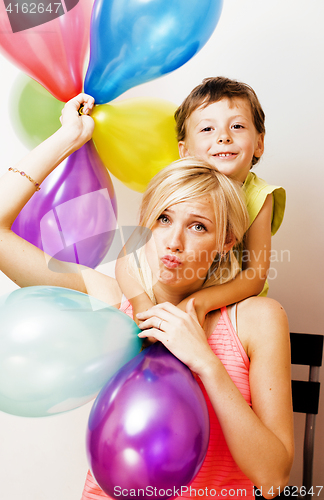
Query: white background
column 277, row 47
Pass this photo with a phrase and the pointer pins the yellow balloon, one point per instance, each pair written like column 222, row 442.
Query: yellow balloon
column 135, row 138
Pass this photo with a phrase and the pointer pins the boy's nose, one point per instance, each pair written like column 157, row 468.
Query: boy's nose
column 223, row 136
column 223, row 140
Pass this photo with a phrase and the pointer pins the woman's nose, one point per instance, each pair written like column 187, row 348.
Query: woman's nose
column 175, row 240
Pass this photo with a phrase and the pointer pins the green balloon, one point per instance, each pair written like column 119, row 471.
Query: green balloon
column 35, row 113
column 59, row 347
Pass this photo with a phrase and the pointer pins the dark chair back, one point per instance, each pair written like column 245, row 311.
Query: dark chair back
column 307, row 349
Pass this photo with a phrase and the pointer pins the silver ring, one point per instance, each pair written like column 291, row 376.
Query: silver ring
column 159, row 327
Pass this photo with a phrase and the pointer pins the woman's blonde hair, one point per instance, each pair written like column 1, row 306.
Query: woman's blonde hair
column 184, row 180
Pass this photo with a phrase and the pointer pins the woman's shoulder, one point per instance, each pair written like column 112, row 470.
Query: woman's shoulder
column 262, row 305
column 262, row 320
column 251, row 308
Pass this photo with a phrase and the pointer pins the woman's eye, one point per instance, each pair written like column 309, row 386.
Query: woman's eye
column 163, row 219
column 200, row 227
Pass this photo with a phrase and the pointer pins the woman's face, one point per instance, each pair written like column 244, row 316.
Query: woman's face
column 183, row 246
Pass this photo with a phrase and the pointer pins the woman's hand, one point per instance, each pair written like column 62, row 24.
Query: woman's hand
column 199, row 307
column 76, row 119
column 180, row 332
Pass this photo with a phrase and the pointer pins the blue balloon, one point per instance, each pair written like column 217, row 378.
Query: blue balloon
column 135, row 41
column 59, row 347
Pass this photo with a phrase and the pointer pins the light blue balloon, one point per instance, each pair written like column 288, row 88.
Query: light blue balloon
column 135, row 41
column 58, row 348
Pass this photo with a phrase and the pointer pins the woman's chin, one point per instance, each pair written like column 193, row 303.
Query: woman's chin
column 168, row 277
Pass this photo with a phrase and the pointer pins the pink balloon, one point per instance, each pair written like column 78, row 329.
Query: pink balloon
column 73, row 216
column 49, row 46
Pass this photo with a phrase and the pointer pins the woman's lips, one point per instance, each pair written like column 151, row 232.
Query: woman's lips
column 171, row 262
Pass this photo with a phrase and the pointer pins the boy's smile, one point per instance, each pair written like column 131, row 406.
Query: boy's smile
column 223, row 134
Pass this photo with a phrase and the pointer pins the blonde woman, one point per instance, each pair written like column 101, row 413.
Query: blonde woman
column 241, row 354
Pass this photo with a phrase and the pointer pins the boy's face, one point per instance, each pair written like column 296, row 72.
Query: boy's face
column 224, row 135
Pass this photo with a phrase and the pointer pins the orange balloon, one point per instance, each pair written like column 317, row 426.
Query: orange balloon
column 135, row 138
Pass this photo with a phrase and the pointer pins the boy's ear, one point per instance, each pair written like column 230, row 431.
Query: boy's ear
column 183, row 151
column 260, row 146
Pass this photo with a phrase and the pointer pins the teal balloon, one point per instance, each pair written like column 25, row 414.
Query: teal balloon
column 58, row 348
column 135, row 41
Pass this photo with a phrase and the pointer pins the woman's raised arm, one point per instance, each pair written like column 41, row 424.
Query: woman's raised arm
column 21, row 261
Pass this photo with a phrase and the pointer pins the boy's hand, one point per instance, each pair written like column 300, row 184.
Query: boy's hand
column 79, row 124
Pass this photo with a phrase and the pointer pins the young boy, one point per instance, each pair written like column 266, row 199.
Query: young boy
column 222, row 122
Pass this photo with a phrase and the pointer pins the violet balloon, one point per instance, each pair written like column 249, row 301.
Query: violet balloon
column 149, row 426
column 73, row 216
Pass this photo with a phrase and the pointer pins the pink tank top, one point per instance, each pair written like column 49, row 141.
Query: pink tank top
column 219, row 475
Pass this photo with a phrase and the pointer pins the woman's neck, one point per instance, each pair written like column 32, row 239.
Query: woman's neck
column 164, row 293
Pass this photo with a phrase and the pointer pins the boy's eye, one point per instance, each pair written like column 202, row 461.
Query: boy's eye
column 237, row 126
column 206, row 129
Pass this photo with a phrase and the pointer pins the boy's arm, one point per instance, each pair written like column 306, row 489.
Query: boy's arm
column 250, row 281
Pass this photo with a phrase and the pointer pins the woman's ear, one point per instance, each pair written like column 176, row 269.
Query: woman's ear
column 183, row 151
column 229, row 242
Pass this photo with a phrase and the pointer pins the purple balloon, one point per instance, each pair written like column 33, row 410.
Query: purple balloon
column 148, row 428
column 73, row 216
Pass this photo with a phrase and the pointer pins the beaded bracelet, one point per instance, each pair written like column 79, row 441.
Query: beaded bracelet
column 27, row 176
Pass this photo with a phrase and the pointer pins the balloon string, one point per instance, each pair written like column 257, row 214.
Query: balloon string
column 80, row 111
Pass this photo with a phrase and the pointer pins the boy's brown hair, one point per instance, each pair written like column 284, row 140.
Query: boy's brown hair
column 212, row 90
